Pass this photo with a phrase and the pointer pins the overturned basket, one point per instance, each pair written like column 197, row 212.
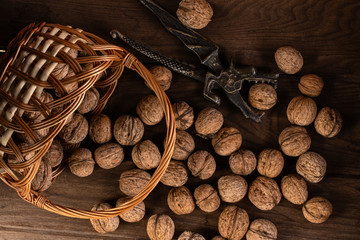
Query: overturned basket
column 28, row 70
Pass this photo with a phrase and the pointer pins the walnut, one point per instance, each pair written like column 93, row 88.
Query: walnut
column 43, row 177
column 218, row 238
column 146, row 155
column 181, row 201
column 289, row 60
column 328, row 122
column 90, row 101
column 270, row 163
column 194, row 14
column 242, row 162
column 163, row 75
column 294, row 189
column 160, row 226
column 233, row 222
column 109, row 155
column 227, row 141
column 26, row 155
column 301, row 111
column 184, row 145
column 294, row 141
column 175, row 174
column 232, row 188
column 69, row 87
column 264, row 193
column 76, row 130
column 311, row 85
column 208, row 122
column 312, row 166
column 55, row 154
column 133, row 215
column 188, row 235
column 60, row 71
column 81, row 162
column 201, row 164
column 128, row 130
column 261, row 229
column 262, row 96
column 104, row 225
column 40, row 133
column 133, row 181
column 149, row 110
column 207, row 198
column 100, row 129
column 184, row 115
column 317, row 210
column 45, row 97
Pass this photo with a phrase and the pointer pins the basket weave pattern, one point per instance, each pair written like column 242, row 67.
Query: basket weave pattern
column 29, row 69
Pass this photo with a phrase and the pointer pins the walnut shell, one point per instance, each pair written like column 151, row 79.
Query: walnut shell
column 26, row 155
column 328, row 122
column 149, row 110
column 262, row 96
column 201, row 164
column 163, row 75
column 109, row 155
column 160, row 227
column 232, row 188
column 270, row 163
column 55, row 154
column 40, row 133
column 104, row 225
column 289, row 60
column 90, row 101
column 233, row 222
column 175, row 175
column 264, row 193
column 133, row 181
column 128, row 130
column 133, row 215
column 100, row 129
column 208, row 122
column 188, row 235
column 184, row 145
column 180, row 200
column 75, row 130
column 194, row 14
column 81, row 162
column 294, row 189
column 227, row 141
column 312, row 166
column 301, row 111
column 43, row 177
column 242, row 162
column 317, row 210
column 69, row 87
column 207, row 198
column 261, row 229
column 218, row 238
column 60, row 71
column 184, row 115
column 146, row 155
column 45, row 97
column 294, row 141
column 311, row 85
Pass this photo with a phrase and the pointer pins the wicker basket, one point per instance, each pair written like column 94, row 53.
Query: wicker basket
column 28, row 70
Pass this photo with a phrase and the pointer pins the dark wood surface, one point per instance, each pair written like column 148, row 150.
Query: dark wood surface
column 248, row 32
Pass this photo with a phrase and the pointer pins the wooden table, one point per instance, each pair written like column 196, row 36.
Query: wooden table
column 326, row 32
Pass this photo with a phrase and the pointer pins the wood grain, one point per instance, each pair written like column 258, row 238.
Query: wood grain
column 248, row 32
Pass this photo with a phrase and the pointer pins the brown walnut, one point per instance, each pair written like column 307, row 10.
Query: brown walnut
column 242, row 162
column 160, row 227
column 55, row 154
column 175, row 175
column 194, row 14
column 149, row 110
column 294, row 189
column 128, row 130
column 328, row 122
column 109, row 155
column 270, row 163
column 312, row 166
column 133, row 181
column 180, row 200
column 90, row 101
column 75, row 130
column 100, row 129
column 218, row 238
column 81, row 162
column 69, row 87
column 233, row 222
column 311, row 85
column 43, row 177
column 227, row 141
column 163, row 75
column 207, row 198
column 146, row 155
column 201, row 164
column 45, row 97
column 262, row 96
column 133, row 215
column 184, row 115
column 232, row 188
column 264, row 193
column 208, row 122
column 301, row 111
column 317, row 210
column 104, row 225
column 184, row 145
column 261, row 229
column 188, row 235
column 294, row 141
column 289, row 60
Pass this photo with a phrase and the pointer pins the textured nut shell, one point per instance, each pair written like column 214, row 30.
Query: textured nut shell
column 90, row 101
column 184, row 145
column 163, row 75
column 201, row 164
column 328, row 122
column 184, row 115
column 233, row 223
column 133, row 181
column 60, row 71
column 208, row 122
column 100, row 129
column 218, row 238
column 289, row 60
column 128, row 130
column 227, row 141
column 270, row 163
column 301, row 111
column 262, row 96
column 133, row 215
column 194, row 14
column 109, row 155
column 27, row 156
column 70, row 87
column 261, row 229
column 43, row 177
column 40, row 133
column 188, row 235
column 207, row 198
column 175, row 175
column 75, row 130
column 160, row 227
column 242, row 162
column 312, row 166
column 45, row 97
column 149, row 110
column 181, row 201
column 264, row 193
column 317, row 210
column 55, row 154
column 146, row 155
column 232, row 188
column 107, row 224
column 81, row 162
column 294, row 189
column 294, row 141
column 311, row 85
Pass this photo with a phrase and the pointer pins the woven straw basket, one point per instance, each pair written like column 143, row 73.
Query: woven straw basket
column 28, row 70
